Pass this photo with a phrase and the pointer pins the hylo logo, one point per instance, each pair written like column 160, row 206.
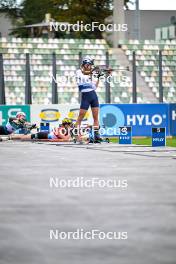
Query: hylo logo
column 158, row 139
column 144, row 120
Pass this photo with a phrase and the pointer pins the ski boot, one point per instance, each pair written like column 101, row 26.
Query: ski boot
column 97, row 138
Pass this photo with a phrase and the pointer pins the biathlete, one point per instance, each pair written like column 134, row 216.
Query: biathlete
column 61, row 133
column 89, row 97
column 17, row 124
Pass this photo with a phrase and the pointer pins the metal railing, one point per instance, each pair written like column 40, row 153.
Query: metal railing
column 55, row 99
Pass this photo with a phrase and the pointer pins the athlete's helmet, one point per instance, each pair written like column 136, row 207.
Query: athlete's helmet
column 87, row 60
column 67, row 121
column 20, row 114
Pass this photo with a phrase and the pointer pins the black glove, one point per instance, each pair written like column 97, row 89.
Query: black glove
column 101, row 73
column 32, row 126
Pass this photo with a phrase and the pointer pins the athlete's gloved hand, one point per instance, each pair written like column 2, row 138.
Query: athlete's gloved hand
column 100, row 74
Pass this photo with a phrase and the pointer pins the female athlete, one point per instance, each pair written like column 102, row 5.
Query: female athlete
column 89, row 97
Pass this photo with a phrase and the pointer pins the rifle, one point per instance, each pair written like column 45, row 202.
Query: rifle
column 107, row 71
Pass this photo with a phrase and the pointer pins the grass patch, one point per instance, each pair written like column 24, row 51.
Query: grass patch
column 170, row 142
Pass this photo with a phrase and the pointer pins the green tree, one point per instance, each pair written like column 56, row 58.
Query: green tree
column 68, row 11
column 88, row 11
column 9, row 7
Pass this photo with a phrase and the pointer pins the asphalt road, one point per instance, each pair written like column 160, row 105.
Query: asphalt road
column 31, row 209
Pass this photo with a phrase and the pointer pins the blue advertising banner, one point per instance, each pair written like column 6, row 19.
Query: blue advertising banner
column 141, row 117
column 172, row 118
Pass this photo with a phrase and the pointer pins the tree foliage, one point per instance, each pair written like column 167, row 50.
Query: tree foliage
column 88, row 11
column 9, row 7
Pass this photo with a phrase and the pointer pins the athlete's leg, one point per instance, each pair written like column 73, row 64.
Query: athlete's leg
column 76, row 131
column 3, row 130
column 81, row 115
column 39, row 135
column 95, row 114
column 95, row 109
column 18, row 136
column 83, row 109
